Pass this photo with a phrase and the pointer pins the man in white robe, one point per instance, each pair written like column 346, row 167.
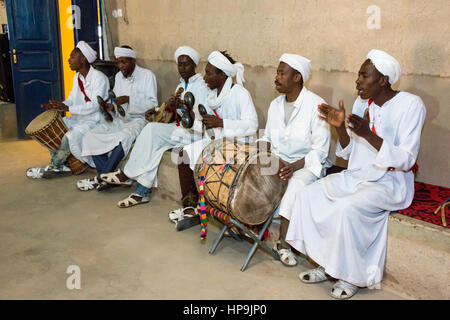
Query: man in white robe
column 233, row 115
column 83, row 107
column 295, row 133
column 340, row 221
column 103, row 147
column 156, row 138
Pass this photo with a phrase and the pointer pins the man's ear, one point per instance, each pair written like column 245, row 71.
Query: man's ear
column 384, row 81
column 298, row 77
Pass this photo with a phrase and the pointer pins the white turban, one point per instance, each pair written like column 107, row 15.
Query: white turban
column 386, row 64
column 299, row 63
column 124, row 52
column 221, row 62
column 187, row 51
column 87, row 51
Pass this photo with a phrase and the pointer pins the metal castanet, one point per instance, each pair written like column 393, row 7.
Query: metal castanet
column 249, row 189
column 102, row 103
column 112, row 97
column 189, row 101
column 202, row 109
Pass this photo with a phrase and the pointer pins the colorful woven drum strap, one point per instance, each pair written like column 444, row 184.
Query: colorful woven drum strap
column 201, row 204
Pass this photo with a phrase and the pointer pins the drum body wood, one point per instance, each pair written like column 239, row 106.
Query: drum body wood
column 250, row 190
column 48, row 129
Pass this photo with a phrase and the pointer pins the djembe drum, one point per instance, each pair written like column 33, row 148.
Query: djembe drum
column 48, row 129
column 240, row 181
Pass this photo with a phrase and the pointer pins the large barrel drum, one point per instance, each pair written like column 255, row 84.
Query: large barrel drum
column 240, row 181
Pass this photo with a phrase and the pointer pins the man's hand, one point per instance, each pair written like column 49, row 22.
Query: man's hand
column 211, row 121
column 286, row 171
column 149, row 113
column 360, row 126
column 334, row 117
column 57, row 105
column 122, row 100
column 109, row 107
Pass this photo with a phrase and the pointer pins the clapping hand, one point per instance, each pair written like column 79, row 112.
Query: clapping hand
column 335, row 117
column 360, row 126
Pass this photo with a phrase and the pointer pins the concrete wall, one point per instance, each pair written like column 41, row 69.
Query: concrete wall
column 333, row 34
column 2, row 15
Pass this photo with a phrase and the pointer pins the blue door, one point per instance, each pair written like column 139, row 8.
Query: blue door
column 87, row 29
column 35, row 56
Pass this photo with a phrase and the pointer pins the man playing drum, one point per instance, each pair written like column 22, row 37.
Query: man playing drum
column 233, row 115
column 105, row 145
column 82, row 104
column 341, row 220
column 156, row 138
column 295, row 133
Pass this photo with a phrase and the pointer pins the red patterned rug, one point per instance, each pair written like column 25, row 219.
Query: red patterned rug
column 427, row 198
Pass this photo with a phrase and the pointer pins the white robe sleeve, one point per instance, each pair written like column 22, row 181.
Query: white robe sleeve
column 69, row 101
column 267, row 131
column 403, row 155
column 145, row 95
column 247, row 125
column 100, row 87
column 344, row 153
column 320, row 143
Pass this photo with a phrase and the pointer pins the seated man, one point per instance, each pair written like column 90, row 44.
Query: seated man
column 156, row 138
column 340, row 221
column 234, row 116
column 295, row 133
column 110, row 142
column 82, row 104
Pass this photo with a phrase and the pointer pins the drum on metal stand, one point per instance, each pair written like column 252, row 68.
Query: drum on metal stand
column 240, row 180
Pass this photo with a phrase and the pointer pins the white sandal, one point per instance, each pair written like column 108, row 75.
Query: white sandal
column 287, row 257
column 36, row 173
column 178, row 214
column 111, row 178
column 313, row 276
column 343, row 290
column 129, row 201
column 87, row 184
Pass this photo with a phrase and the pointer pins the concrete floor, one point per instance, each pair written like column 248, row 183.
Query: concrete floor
column 135, row 253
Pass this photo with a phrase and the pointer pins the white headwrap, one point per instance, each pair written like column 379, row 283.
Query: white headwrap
column 299, row 63
column 187, row 51
column 124, row 52
column 386, row 64
column 221, row 62
column 87, row 51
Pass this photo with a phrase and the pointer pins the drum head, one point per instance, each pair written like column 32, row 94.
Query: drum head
column 257, row 189
column 41, row 121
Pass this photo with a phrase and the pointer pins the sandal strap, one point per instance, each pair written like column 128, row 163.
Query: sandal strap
column 36, row 173
column 112, row 178
column 176, row 215
column 315, row 275
column 87, row 184
column 341, row 287
column 129, row 201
